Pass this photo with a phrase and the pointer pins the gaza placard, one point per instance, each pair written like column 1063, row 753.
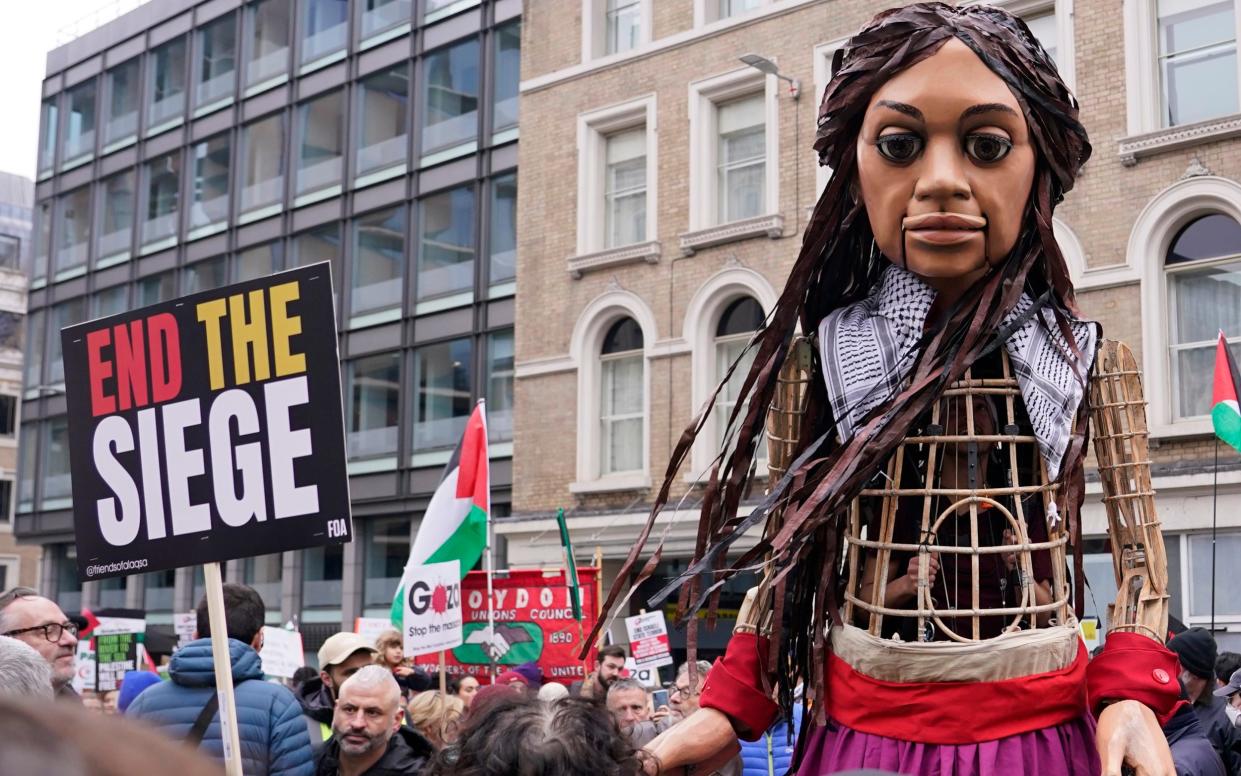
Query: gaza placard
column 208, row 428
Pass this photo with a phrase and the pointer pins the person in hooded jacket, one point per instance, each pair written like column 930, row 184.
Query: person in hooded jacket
column 274, row 741
column 341, row 656
column 369, row 734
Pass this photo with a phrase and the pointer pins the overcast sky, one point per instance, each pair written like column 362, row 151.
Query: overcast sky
column 28, row 30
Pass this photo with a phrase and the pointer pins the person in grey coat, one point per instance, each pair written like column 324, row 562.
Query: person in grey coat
column 274, row 740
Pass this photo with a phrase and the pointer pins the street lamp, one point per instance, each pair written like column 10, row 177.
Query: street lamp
column 765, row 65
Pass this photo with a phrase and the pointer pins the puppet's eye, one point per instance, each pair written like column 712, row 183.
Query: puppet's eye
column 986, row 148
column 899, row 148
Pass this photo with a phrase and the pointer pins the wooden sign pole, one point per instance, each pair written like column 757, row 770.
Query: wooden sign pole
column 443, row 675
column 214, row 588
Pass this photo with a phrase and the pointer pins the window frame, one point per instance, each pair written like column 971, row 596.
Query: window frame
column 301, row 118
column 706, row 96
column 706, row 12
column 595, row 30
column 124, row 140
column 201, row 107
column 593, row 129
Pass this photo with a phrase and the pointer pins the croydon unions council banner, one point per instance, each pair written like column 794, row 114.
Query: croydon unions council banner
column 208, row 428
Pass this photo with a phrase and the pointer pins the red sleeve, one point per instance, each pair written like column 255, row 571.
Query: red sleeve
column 734, row 686
column 1135, row 667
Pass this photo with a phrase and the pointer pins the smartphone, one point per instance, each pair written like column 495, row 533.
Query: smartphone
column 659, row 698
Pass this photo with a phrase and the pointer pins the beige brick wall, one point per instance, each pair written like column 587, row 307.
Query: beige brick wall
column 1101, row 210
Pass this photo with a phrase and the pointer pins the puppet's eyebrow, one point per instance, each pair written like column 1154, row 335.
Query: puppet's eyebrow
column 987, row 107
column 901, row 107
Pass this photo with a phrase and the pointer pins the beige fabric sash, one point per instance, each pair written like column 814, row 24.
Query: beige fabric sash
column 1008, row 656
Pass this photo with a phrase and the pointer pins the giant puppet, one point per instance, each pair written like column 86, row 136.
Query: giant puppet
column 920, row 530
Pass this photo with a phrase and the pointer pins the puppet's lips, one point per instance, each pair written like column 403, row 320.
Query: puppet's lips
column 943, row 222
column 943, row 236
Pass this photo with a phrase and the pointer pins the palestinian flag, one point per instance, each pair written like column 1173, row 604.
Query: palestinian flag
column 454, row 526
column 1224, row 410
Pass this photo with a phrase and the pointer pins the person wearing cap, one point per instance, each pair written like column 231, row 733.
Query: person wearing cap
column 340, row 657
column 1196, row 651
column 1231, row 693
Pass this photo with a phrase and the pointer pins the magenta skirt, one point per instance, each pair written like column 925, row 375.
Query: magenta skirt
column 1067, row 749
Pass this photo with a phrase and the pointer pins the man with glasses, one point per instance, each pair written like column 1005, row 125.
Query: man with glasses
column 29, row 617
column 683, row 699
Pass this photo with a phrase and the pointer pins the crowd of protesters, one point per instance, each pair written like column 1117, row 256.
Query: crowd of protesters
column 365, row 711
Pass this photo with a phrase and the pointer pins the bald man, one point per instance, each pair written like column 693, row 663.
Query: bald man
column 368, row 731
column 39, row 622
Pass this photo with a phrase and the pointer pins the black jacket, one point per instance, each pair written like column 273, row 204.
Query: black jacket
column 1220, row 732
column 1192, row 753
column 408, row 754
column 317, row 707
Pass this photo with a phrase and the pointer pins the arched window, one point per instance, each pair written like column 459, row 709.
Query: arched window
column 1203, row 263
column 740, row 319
column 622, row 418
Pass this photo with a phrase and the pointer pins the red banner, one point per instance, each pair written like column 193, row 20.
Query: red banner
column 533, row 624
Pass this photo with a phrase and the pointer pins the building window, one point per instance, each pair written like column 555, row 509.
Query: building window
column 1227, row 577
column 36, row 341
column 262, row 176
column 6, row 507
column 158, row 589
column 741, row 156
column 734, row 169
column 499, row 385
column 382, row 15
column 320, row 142
column 209, row 204
column 116, row 215
column 216, row 62
column 624, row 194
column 57, row 486
column 163, row 181
column 79, row 124
column 63, row 314
column 442, row 399
column 122, row 90
column 1204, row 298
column 68, row 588
column 616, row 176
column 112, row 592
column 503, row 232
column 258, row 262
column 73, row 225
column 378, row 262
column 507, row 64
column 1197, row 60
column 383, row 101
column 622, row 417
column 324, row 23
column 446, row 243
column 166, row 85
column 322, row 571
column 8, row 417
column 47, row 137
column 154, row 289
column 263, row 573
column 320, row 244
column 267, row 42
column 740, row 319
column 387, row 550
column 42, row 241
column 28, row 452
column 1044, row 27
column 374, row 404
column 10, row 252
column 725, row 8
column 110, row 301
column 205, row 275
column 12, row 330
column 623, row 25
column 450, row 88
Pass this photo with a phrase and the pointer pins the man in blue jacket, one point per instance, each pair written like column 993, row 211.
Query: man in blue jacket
column 274, row 741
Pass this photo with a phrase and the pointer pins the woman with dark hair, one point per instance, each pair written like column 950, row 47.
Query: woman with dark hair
column 523, row 736
column 914, row 553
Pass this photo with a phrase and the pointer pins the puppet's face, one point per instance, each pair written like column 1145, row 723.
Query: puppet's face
column 943, row 152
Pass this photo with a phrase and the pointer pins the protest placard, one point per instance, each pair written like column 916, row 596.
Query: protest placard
column 282, row 652
column 371, row 628
column 115, row 654
column 648, row 640
column 432, row 620
column 84, row 663
column 208, row 427
column 185, row 625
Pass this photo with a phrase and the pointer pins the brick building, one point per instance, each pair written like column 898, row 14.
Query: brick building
column 192, row 143
column 665, row 185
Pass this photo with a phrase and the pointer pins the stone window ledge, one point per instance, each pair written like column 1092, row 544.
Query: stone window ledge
column 760, row 226
column 612, row 483
column 647, row 252
column 1138, row 146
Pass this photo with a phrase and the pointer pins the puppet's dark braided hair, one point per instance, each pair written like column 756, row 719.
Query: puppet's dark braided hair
column 836, row 267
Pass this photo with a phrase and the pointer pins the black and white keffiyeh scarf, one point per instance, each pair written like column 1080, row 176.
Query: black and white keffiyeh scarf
column 866, row 351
